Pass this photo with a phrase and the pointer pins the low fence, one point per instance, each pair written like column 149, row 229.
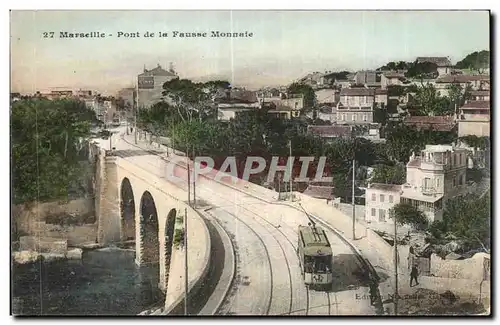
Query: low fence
column 475, row 268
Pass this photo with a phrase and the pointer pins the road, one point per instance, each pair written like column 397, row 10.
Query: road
column 264, row 235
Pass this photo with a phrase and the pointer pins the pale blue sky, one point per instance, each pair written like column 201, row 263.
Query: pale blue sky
column 285, row 45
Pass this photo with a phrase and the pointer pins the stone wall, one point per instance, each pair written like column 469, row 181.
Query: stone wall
column 43, row 245
column 29, row 219
column 471, row 268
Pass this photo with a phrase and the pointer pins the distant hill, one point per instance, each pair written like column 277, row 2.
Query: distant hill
column 475, row 61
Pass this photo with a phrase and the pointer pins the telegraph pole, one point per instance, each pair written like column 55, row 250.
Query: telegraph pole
column 353, row 200
column 395, row 267
column 189, row 178
column 136, row 109
column 194, row 180
column 185, row 263
column 291, row 171
column 353, row 184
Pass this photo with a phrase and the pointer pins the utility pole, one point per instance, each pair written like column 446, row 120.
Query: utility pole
column 136, row 109
column 185, row 263
column 353, row 184
column 194, row 180
column 353, row 201
column 291, row 172
column 189, row 178
column 395, row 267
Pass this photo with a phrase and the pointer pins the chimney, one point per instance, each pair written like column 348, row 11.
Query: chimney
column 145, row 70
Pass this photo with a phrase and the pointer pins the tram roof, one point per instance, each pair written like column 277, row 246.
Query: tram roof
column 315, row 242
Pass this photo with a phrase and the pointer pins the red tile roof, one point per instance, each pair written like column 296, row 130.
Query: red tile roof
column 461, row 78
column 437, row 123
column 440, row 61
column 477, row 104
column 385, row 187
column 329, row 130
column 357, row 92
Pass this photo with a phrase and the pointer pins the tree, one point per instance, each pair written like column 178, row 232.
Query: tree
column 407, row 214
column 389, row 174
column 421, row 70
column 467, row 219
column 475, row 61
column 48, row 142
column 429, row 102
column 306, row 91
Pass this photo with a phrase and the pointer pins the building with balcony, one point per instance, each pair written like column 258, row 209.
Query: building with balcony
column 432, row 178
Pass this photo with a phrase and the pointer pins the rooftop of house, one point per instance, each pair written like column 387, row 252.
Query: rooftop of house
column 414, row 162
column 379, row 91
column 437, row 123
column 158, row 71
column 477, row 104
column 357, row 92
column 480, row 93
column 329, row 130
column 385, row 187
column 411, row 193
column 440, row 61
column 393, row 74
column 461, row 78
column 319, row 192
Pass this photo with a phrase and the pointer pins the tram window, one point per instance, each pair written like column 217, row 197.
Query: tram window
column 308, row 264
column 320, row 264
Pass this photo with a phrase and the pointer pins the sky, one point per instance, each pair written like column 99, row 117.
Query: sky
column 285, row 45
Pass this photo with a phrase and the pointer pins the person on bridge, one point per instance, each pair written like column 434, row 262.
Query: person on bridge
column 414, row 275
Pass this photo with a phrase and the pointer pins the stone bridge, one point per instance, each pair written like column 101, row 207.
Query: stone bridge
column 133, row 204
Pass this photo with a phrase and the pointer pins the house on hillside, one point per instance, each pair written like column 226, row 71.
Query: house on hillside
column 477, row 82
column 392, row 78
column 474, row 119
column 444, row 66
column 480, row 95
column 432, row 178
column 356, row 106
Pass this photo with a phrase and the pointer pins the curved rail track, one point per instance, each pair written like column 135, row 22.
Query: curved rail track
column 301, row 300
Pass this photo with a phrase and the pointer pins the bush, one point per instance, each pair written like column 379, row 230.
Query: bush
column 179, row 237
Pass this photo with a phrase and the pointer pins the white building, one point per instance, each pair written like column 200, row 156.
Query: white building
column 227, row 112
column 474, row 119
column 432, row 178
column 380, row 198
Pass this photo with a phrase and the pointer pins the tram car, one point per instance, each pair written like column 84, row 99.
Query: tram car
column 315, row 256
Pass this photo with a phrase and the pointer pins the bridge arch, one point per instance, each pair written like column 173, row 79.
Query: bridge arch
column 149, row 230
column 127, row 210
column 169, row 241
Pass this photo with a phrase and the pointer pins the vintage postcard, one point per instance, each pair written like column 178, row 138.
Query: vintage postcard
column 262, row 163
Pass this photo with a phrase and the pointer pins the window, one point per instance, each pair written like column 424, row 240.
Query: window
column 437, row 182
column 454, row 160
column 341, row 117
column 390, row 199
column 381, row 215
column 364, row 118
column 382, row 197
column 454, row 182
column 374, row 212
column 374, row 197
column 354, row 117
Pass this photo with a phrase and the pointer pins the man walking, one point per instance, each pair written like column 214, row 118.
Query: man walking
column 413, row 275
